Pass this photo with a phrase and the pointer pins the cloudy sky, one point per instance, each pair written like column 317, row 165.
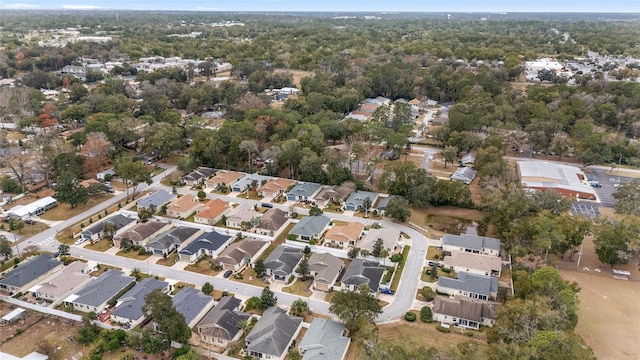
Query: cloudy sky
column 624, row 6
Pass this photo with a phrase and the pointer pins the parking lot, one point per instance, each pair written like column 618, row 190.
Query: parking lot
column 580, row 208
column 608, row 186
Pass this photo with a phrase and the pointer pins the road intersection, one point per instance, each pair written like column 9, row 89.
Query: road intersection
column 399, row 304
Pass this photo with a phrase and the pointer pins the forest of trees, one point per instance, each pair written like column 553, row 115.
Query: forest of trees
column 468, row 63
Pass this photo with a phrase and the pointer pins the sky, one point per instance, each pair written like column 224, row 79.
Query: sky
column 620, row 6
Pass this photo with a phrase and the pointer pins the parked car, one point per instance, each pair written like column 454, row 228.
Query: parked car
column 594, row 183
column 434, row 263
column 266, row 205
column 227, row 273
column 387, row 291
column 30, row 222
column 79, row 241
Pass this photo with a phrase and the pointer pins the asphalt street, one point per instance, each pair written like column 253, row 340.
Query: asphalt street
column 402, row 300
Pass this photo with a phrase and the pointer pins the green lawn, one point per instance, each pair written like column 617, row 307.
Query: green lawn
column 432, row 251
column 299, row 287
column 203, row 266
column 169, row 260
column 396, row 276
column 249, row 277
column 101, row 245
column 64, row 211
column 133, row 255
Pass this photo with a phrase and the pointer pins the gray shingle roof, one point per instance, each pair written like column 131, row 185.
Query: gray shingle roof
column 465, row 308
column 273, row 332
column 464, row 174
column 357, row 198
column 478, row 284
column 363, row 272
column 222, row 321
column 199, row 174
column 189, row 302
column 210, row 240
column 324, row 340
column 273, row 219
column 29, row 271
column 310, row 225
column 156, row 199
column 246, row 181
column 102, row 289
column 471, row 241
column 119, row 220
column 130, row 304
column 283, row 260
column 304, row 190
column 175, row 236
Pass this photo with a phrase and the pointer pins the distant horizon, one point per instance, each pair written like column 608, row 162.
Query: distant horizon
column 355, row 6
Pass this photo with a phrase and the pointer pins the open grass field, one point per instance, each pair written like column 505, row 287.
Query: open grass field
column 412, row 335
column 444, row 219
column 64, row 211
column 609, row 311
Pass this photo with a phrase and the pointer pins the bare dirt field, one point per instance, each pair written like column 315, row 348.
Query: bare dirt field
column 36, row 335
column 609, row 311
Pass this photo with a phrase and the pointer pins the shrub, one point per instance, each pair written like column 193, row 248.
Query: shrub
column 207, row 288
column 142, row 251
column 469, row 334
column 291, row 237
column 443, row 329
column 252, row 303
column 409, row 316
column 436, row 256
column 426, row 315
column 427, row 293
column 17, row 295
column 396, row 258
column 446, row 270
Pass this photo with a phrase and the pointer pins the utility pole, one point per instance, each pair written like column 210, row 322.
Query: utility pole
column 580, row 254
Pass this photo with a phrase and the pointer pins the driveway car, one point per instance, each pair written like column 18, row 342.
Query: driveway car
column 227, row 273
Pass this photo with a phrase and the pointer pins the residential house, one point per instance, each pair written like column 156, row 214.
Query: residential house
column 303, row 192
column 334, row 194
column 95, row 295
column 474, row 263
column 35, row 208
column 274, row 188
column 243, row 213
column 356, row 200
column 95, row 232
column 170, row 240
column 192, row 304
column 197, row 176
column 209, row 243
column 344, row 236
column 273, row 334
column 23, row 277
column 325, row 269
column 481, row 287
column 362, row 272
column 183, row 206
column 62, row 282
column 224, row 178
column 241, row 253
column 464, row 174
column 468, row 159
column 272, row 221
column 155, row 201
column 102, row 175
column 139, row 233
column 310, row 227
column 128, row 309
column 249, row 181
column 282, row 262
column 390, row 238
column 220, row 326
column 464, row 312
column 381, row 206
column 471, row 243
column 211, row 212
column 324, row 340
